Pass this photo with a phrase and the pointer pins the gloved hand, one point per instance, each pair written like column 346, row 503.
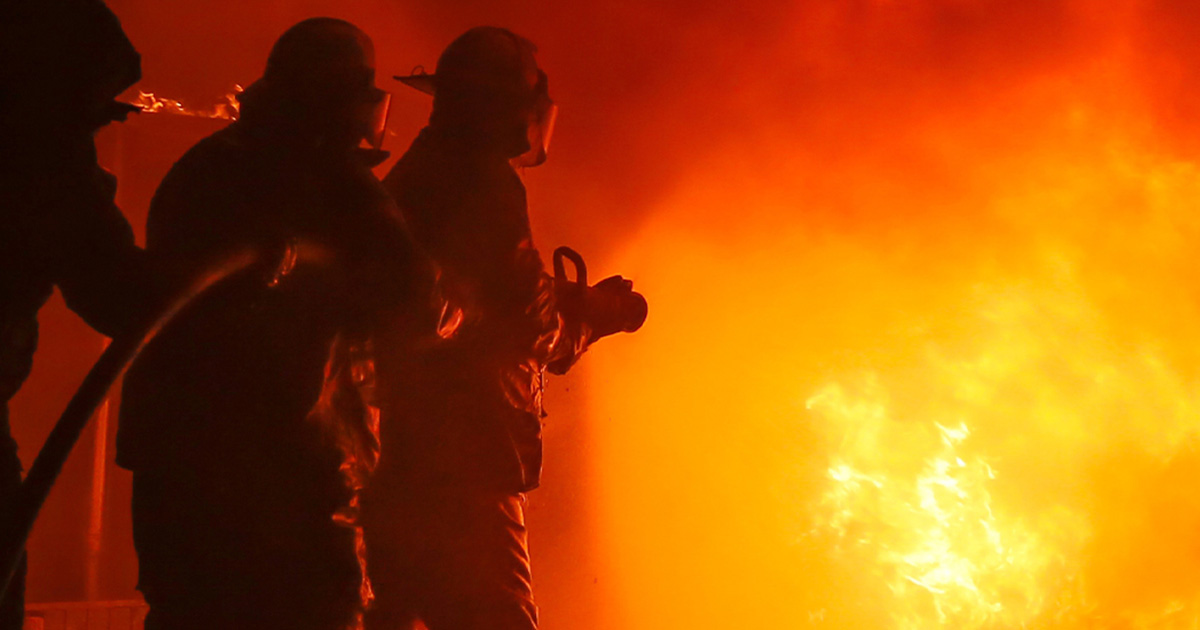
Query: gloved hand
column 611, row 306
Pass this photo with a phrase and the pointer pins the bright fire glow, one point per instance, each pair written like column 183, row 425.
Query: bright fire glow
column 949, row 560
column 923, row 350
column 151, row 104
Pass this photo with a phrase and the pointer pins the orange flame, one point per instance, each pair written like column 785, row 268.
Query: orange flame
column 1012, row 325
column 949, row 556
column 152, row 104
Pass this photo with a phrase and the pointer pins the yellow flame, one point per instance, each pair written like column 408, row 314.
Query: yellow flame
column 1013, row 323
column 152, row 104
column 935, row 533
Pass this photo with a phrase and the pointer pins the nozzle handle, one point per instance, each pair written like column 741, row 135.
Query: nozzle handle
column 560, row 272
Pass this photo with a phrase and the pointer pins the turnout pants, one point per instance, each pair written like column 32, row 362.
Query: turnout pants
column 225, row 554
column 452, row 558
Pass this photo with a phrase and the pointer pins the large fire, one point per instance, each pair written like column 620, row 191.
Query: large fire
column 952, row 560
column 925, row 362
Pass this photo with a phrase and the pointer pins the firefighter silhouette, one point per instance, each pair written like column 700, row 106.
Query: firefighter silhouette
column 461, row 418
column 64, row 63
column 243, row 421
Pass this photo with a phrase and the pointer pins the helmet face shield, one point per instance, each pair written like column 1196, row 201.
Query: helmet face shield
column 540, row 131
column 489, row 77
column 377, row 121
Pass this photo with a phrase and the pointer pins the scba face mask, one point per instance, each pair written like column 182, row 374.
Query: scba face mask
column 377, row 121
column 540, row 128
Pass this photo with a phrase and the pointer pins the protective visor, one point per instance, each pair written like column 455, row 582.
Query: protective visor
column 539, row 132
column 540, row 129
column 377, row 121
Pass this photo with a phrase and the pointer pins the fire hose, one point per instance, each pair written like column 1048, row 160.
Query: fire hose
column 18, row 522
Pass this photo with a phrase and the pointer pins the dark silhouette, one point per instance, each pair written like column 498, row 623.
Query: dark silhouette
column 246, row 423
column 64, row 61
column 461, row 419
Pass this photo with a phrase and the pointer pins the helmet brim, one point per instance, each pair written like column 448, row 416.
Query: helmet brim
column 419, row 81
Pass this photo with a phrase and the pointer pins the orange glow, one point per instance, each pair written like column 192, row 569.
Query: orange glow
column 928, row 362
column 152, row 104
column 923, row 348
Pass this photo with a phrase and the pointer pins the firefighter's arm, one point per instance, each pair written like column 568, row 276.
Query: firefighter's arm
column 104, row 277
column 588, row 313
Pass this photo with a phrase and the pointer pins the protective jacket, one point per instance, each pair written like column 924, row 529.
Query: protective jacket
column 244, row 364
column 63, row 62
column 468, row 410
column 238, row 420
column 58, row 227
column 61, row 228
